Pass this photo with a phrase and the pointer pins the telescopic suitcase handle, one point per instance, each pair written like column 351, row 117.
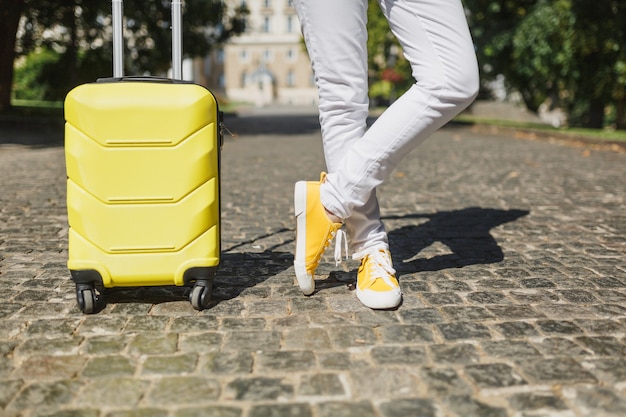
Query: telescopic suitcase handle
column 177, row 39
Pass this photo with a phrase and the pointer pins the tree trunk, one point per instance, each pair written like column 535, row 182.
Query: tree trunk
column 10, row 13
column 620, row 120
column 596, row 114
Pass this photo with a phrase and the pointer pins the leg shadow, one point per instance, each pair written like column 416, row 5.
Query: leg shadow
column 465, row 232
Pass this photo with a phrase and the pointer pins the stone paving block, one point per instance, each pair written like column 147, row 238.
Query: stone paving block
column 187, row 390
column 102, row 325
column 142, row 323
column 406, row 333
column 208, row 411
column 138, row 412
column 558, row 346
column 464, row 330
column 170, row 364
column 467, row 313
column 109, row 366
column 104, row 345
column 494, row 375
column 603, row 401
column 69, row 412
column 253, row 341
column 465, row 405
column 603, row 345
column 281, row 410
column 612, row 370
column 399, row 355
column 558, row 327
column 385, row 382
column 51, row 327
column 52, row 346
column 193, row 324
column 346, row 409
column 286, row 361
column 229, row 362
column 8, row 389
column 537, row 403
column 339, row 360
column 121, row 391
column 307, row 339
column 153, row 344
column 43, row 395
column 421, row 315
column 258, row 389
column 488, row 297
column 516, row 349
column 239, row 323
column 565, row 370
column 409, row 407
column 444, row 381
column 199, row 343
column 41, row 368
column 321, row 385
column 455, row 353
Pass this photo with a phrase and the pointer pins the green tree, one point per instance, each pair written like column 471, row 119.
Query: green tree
column 79, row 31
column 390, row 72
column 571, row 51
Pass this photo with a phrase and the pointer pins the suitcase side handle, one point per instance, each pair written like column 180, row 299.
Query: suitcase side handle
column 118, row 39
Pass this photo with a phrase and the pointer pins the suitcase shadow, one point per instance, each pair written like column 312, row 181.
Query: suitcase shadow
column 240, row 273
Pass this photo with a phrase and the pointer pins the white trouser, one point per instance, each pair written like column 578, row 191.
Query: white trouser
column 436, row 41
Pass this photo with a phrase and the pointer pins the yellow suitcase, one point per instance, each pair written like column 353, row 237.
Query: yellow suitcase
column 142, row 161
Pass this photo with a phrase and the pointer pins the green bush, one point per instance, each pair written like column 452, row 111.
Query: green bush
column 32, row 80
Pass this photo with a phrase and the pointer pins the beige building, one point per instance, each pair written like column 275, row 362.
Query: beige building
column 267, row 64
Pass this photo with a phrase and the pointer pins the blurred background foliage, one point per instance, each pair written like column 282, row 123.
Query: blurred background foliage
column 566, row 54
column 548, row 54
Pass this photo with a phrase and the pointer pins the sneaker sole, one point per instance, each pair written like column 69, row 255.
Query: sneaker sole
column 304, row 279
column 379, row 300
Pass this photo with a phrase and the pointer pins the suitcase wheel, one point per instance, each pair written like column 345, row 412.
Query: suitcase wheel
column 200, row 296
column 86, row 298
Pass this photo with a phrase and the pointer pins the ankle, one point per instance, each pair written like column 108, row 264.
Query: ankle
column 333, row 218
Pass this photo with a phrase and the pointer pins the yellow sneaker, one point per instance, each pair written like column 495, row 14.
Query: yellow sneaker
column 314, row 231
column 377, row 286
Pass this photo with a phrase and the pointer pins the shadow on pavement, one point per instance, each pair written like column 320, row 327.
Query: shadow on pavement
column 276, row 124
column 239, row 273
column 35, row 132
column 465, row 232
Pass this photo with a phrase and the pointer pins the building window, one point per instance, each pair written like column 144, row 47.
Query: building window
column 289, row 3
column 266, row 24
column 290, row 24
column 243, row 55
column 267, row 56
column 291, row 54
column 291, row 79
column 242, row 80
column 220, row 56
column 267, row 3
column 221, row 81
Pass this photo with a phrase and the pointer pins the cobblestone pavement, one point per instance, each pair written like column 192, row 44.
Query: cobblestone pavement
column 511, row 256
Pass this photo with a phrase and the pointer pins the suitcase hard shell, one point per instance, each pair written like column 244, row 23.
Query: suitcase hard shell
column 142, row 161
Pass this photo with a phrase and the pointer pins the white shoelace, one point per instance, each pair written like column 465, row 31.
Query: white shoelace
column 379, row 264
column 341, row 242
